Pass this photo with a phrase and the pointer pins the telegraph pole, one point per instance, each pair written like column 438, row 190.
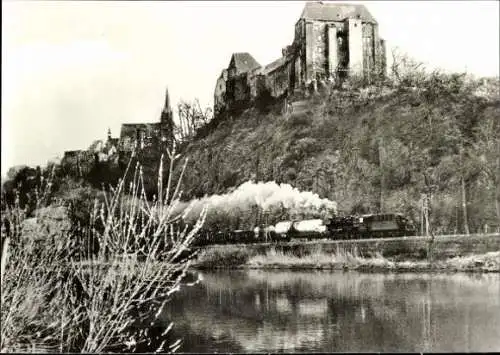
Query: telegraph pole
column 426, row 211
column 422, row 214
column 381, row 167
column 463, row 194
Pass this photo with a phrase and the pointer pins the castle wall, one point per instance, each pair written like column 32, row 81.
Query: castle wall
column 320, row 49
column 147, row 134
column 355, row 34
column 328, row 46
column 291, row 74
column 299, row 31
column 257, row 84
column 378, row 52
column 70, row 162
column 238, row 90
column 332, row 50
column 241, row 89
column 253, row 83
column 219, row 94
column 87, row 161
column 368, row 49
column 78, row 162
column 383, row 58
column 278, row 80
column 342, row 50
column 309, row 44
column 300, row 53
column 298, row 72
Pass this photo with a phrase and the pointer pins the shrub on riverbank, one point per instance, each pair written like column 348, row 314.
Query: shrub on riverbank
column 233, row 256
column 230, row 256
column 54, row 300
column 340, row 257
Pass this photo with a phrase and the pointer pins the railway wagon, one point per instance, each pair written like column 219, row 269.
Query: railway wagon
column 370, row 226
column 309, row 229
column 385, row 226
column 343, row 227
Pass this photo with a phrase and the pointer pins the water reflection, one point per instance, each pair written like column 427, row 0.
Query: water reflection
column 266, row 311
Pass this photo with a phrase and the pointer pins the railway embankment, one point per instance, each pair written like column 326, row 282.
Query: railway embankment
column 447, row 253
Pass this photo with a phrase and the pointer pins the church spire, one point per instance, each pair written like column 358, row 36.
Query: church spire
column 167, row 115
column 166, row 107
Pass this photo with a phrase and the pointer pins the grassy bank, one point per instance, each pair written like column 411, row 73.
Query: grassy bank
column 489, row 262
column 475, row 254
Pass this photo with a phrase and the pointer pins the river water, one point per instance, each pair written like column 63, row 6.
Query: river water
column 287, row 311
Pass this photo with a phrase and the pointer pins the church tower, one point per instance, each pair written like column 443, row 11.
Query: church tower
column 166, row 114
column 167, row 122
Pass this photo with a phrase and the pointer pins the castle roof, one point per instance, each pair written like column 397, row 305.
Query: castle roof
column 335, row 12
column 243, row 62
column 274, row 65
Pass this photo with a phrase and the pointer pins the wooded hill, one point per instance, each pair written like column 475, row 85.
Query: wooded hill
column 379, row 148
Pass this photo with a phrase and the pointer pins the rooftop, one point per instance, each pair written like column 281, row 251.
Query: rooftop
column 243, row 62
column 274, row 65
column 335, row 12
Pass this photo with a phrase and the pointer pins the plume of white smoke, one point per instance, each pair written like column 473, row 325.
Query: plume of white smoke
column 268, row 197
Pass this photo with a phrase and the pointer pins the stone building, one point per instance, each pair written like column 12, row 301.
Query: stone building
column 332, row 41
column 106, row 151
column 78, row 162
column 144, row 135
column 232, row 86
column 157, row 135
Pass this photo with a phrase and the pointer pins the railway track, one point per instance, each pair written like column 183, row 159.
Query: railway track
column 371, row 240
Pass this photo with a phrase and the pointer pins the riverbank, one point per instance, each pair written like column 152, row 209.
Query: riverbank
column 476, row 253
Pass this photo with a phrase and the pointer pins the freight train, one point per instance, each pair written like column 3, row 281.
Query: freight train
column 336, row 228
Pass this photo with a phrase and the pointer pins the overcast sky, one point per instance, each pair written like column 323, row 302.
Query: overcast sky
column 72, row 69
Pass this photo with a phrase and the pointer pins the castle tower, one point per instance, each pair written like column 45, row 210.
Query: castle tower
column 334, row 38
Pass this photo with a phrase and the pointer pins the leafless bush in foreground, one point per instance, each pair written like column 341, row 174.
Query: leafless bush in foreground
column 92, row 300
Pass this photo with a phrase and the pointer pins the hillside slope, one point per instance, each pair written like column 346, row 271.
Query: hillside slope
column 369, row 149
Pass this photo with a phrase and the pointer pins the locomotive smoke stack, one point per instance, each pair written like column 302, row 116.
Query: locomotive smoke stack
column 267, row 196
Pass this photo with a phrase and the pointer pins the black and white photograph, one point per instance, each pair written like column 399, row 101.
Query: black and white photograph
column 250, row 177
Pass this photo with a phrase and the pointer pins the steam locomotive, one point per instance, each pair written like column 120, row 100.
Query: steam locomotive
column 336, row 228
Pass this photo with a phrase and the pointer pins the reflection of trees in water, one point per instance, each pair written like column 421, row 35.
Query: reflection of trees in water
column 304, row 311
column 426, row 320
column 295, row 317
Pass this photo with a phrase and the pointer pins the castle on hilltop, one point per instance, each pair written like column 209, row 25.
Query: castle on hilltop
column 139, row 136
column 332, row 41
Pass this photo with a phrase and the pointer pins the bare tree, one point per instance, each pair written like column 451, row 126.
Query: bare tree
column 406, row 71
column 191, row 118
column 487, row 156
